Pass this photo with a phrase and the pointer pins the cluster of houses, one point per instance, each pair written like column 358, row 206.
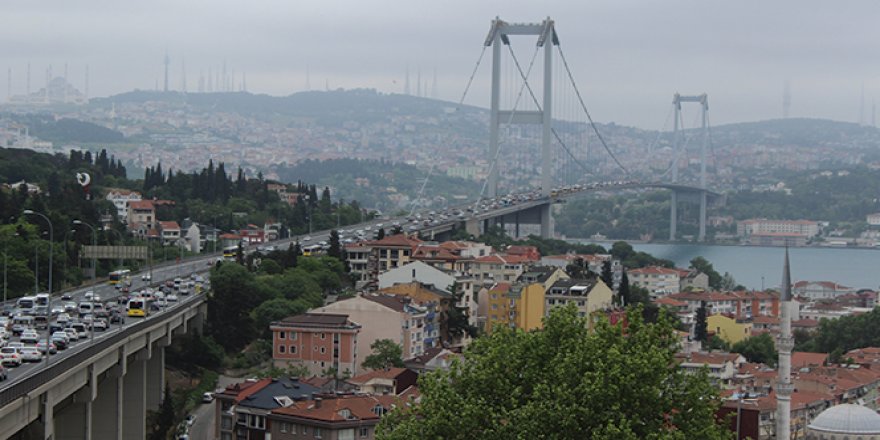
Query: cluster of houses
column 141, row 217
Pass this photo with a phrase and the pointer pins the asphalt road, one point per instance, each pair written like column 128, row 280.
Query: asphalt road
column 203, row 427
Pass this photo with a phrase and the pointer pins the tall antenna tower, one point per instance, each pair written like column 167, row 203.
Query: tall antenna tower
column 167, row 64
column 862, row 106
column 786, row 100
column 183, row 75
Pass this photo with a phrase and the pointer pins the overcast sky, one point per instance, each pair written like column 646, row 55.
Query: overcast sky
column 627, row 57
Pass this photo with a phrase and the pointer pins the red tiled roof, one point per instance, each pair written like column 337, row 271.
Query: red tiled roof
column 654, row 270
column 502, row 259
column 169, row 225
column 800, row 359
column 140, row 204
column 671, row 302
column 398, row 240
column 330, row 409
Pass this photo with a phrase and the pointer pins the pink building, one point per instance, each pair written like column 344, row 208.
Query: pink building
column 316, row 341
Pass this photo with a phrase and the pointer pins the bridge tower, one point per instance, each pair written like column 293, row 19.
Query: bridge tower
column 703, row 100
column 499, row 33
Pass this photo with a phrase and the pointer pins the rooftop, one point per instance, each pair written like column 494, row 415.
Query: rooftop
column 317, row 320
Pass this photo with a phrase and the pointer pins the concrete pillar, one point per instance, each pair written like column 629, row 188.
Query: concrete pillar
column 107, row 407
column 486, row 225
column 156, row 377
column 673, row 215
column 472, row 227
column 134, row 400
column 702, row 236
column 546, row 221
column 74, row 421
column 516, row 227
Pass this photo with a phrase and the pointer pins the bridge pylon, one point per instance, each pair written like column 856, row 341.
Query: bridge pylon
column 703, row 100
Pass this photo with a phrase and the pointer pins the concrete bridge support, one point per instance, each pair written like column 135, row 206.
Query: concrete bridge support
column 73, row 417
column 107, row 403
column 156, row 376
column 673, row 216
column 546, row 221
column 134, row 403
column 702, row 235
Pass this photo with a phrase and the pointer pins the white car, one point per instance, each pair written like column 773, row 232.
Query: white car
column 89, row 295
column 307, row 238
column 146, row 277
column 30, row 337
column 31, row 354
column 171, row 297
column 10, row 357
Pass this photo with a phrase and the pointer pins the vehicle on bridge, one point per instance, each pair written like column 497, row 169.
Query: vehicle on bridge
column 230, row 252
column 119, row 277
column 139, row 307
column 26, row 304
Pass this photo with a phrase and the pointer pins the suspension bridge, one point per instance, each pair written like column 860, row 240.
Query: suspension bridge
column 555, row 117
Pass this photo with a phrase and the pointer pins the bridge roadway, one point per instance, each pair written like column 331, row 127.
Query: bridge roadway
column 100, row 387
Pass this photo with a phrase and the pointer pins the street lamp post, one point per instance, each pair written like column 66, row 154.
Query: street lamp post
column 51, row 249
column 94, row 244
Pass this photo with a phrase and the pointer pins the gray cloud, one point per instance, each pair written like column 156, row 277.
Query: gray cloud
column 629, row 57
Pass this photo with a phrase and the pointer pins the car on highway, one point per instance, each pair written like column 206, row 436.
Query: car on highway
column 117, row 318
column 99, row 325
column 66, row 296
column 89, row 295
column 41, row 346
column 60, row 339
column 72, row 335
column 173, row 298
column 31, row 354
column 81, row 331
column 146, row 277
column 306, row 238
column 70, row 306
column 57, row 310
column 10, row 357
column 29, row 337
column 183, row 291
column 63, row 318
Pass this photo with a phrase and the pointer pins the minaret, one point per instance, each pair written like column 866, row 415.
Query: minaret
column 784, row 344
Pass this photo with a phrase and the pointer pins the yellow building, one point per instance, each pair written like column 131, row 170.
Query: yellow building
column 528, row 294
column 498, row 307
column 728, row 329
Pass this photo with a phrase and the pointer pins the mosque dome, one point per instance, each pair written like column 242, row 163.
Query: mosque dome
column 852, row 421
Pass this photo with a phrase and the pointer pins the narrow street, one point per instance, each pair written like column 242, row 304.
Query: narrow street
column 203, row 427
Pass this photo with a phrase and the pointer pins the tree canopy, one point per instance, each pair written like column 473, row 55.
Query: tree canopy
column 564, row 382
column 386, row 354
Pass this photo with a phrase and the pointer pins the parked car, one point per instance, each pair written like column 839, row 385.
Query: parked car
column 207, row 398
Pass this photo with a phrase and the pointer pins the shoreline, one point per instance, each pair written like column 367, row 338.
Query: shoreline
column 688, row 243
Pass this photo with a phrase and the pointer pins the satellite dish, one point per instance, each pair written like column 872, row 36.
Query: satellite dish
column 83, row 179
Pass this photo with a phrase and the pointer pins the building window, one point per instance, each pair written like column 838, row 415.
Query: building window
column 317, row 432
column 323, row 336
column 282, row 335
column 285, row 426
column 292, row 336
column 226, row 422
column 364, row 432
column 293, row 349
column 323, row 350
column 305, row 430
column 282, row 348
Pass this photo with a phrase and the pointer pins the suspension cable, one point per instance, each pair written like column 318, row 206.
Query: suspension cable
column 587, row 112
column 457, row 107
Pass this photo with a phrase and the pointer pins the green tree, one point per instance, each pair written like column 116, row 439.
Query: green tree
column 703, row 265
column 607, row 276
column 624, row 291
column 701, row 330
column 386, row 354
column 564, row 382
column 165, row 417
column 335, row 249
column 275, row 310
column 457, row 322
column 760, row 349
column 235, row 293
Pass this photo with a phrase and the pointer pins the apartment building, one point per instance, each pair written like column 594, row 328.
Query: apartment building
column 317, row 341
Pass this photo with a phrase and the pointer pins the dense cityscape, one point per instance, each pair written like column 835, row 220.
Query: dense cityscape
column 192, row 254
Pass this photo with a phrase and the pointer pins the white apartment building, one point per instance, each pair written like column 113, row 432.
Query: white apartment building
column 807, row 228
column 120, row 199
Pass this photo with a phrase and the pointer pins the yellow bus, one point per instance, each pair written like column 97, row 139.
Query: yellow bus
column 119, row 276
column 139, row 307
column 230, row 252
